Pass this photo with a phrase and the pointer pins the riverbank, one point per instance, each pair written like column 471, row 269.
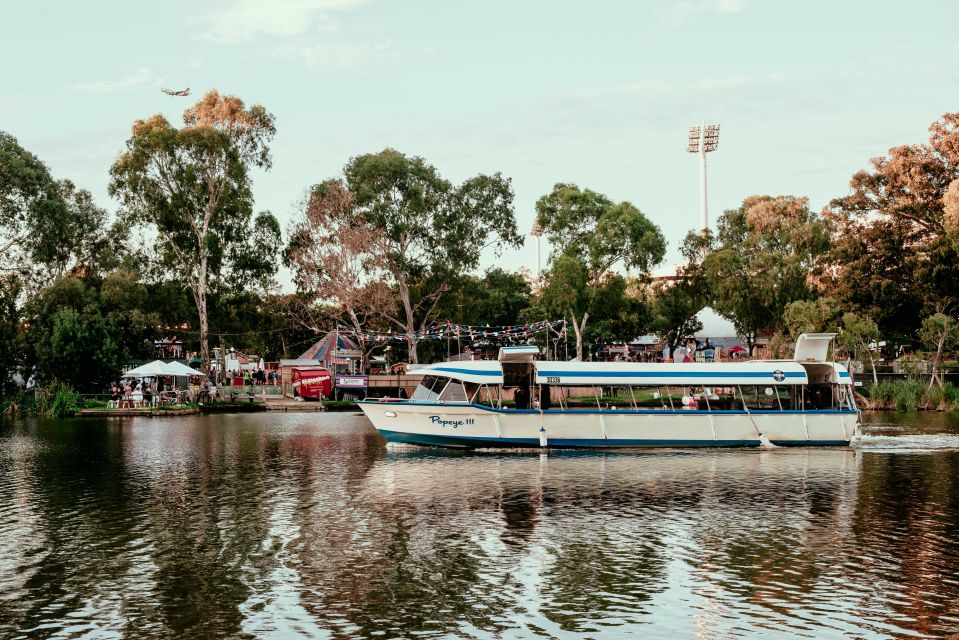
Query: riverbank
column 910, row 395
column 280, row 404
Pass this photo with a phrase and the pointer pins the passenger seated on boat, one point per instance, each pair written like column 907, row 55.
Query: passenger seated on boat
column 821, row 398
column 521, row 397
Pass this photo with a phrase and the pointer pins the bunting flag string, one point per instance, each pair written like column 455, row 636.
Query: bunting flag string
column 451, row 330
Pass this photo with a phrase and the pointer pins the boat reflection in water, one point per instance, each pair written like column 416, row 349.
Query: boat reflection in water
column 610, row 538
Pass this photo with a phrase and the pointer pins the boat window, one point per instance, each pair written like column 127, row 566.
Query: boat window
column 429, row 388
column 454, row 392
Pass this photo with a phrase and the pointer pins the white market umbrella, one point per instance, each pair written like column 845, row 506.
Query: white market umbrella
column 180, row 369
column 148, row 370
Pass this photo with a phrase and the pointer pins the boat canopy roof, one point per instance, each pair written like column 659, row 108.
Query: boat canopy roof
column 522, row 353
column 776, row 372
column 478, row 371
column 813, row 347
column 770, row 372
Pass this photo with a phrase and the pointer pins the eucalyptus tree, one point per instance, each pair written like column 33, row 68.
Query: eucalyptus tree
column 430, row 230
column 675, row 303
column 192, row 185
column 590, row 236
column 339, row 259
column 860, row 337
column 897, row 232
column 766, row 257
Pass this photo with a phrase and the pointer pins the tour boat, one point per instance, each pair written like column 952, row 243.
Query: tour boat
column 806, row 401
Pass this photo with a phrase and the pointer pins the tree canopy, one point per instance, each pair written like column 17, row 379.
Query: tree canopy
column 193, row 186
column 766, row 257
column 431, row 230
column 590, row 235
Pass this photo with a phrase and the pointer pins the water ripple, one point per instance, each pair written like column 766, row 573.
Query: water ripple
column 307, row 526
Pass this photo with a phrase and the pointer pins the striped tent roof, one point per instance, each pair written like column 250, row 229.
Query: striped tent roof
column 322, row 350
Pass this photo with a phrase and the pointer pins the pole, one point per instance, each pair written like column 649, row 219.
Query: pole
column 704, row 215
column 539, row 270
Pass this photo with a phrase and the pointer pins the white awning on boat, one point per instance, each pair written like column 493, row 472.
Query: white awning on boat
column 813, row 347
column 670, row 373
column 478, row 371
column 522, row 353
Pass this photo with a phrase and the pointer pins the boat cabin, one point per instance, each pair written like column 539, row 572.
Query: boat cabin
column 517, row 381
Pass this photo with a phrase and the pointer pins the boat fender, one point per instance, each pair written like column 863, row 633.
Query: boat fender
column 542, row 437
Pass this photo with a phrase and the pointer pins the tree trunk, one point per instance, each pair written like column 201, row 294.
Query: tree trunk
column 578, row 329
column 935, row 365
column 410, row 327
column 200, row 297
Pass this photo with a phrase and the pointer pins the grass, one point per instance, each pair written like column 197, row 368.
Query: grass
column 912, row 395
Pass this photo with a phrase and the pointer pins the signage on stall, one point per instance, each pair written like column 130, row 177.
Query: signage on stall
column 352, row 382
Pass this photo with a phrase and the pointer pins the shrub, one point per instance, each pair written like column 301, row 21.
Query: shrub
column 882, row 393
column 58, row 400
column 908, row 395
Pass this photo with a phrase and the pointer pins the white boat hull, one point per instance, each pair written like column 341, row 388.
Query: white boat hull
column 476, row 426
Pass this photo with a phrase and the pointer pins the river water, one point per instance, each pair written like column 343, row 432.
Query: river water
column 307, row 525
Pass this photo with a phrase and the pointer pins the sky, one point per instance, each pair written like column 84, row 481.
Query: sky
column 599, row 93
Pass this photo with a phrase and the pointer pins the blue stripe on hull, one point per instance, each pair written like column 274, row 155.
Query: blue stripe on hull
column 468, row 442
column 525, row 443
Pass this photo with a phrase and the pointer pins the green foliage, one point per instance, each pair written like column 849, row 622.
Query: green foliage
column 81, row 330
column 583, row 224
column 33, row 215
column 57, row 400
column 591, row 236
column 812, row 316
column 432, row 231
column 911, row 394
column 674, row 305
column 767, row 251
column 193, row 186
column 498, row 298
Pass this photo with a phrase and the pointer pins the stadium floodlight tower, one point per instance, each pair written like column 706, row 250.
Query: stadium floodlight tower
column 537, row 232
column 702, row 140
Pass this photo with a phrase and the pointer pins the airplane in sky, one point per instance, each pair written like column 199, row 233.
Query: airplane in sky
column 171, row 92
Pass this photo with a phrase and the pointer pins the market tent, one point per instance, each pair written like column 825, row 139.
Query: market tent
column 180, row 369
column 161, row 368
column 148, row 370
column 322, row 350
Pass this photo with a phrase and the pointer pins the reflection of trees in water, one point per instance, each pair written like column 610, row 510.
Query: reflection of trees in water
column 907, row 535
column 83, row 515
column 520, row 507
column 225, row 528
column 406, row 562
column 207, row 520
column 597, row 576
column 767, row 540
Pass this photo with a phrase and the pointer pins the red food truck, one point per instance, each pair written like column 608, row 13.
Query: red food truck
column 313, row 383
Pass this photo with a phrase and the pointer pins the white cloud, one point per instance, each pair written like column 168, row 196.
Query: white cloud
column 340, row 56
column 726, row 6
column 141, row 78
column 683, row 9
column 243, row 20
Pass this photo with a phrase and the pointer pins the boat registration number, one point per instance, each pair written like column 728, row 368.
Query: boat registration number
column 552, row 379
